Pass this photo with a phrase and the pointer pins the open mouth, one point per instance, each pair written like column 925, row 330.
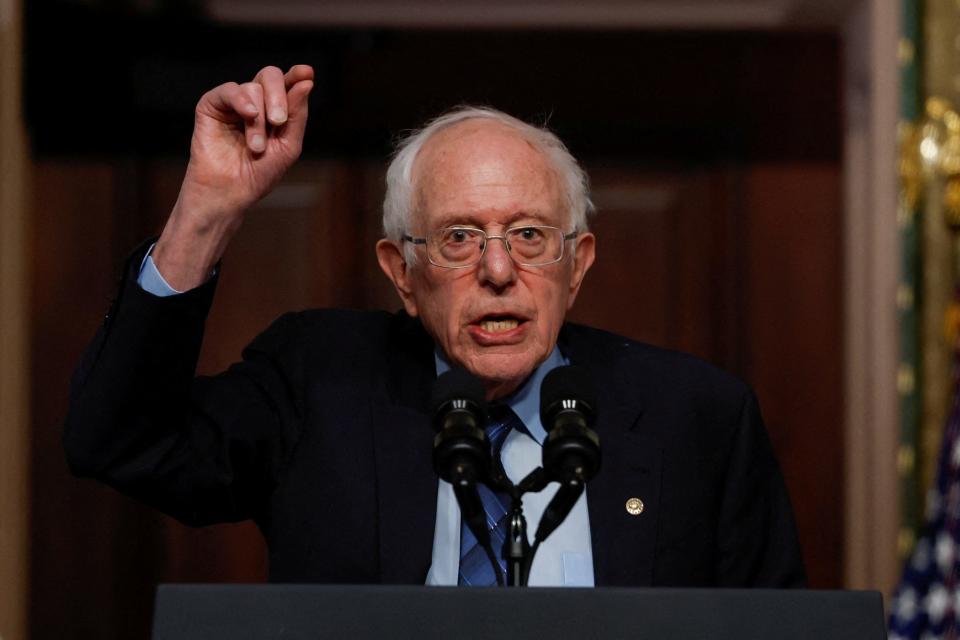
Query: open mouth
column 499, row 323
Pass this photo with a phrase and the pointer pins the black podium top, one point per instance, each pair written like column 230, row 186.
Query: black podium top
column 186, row 612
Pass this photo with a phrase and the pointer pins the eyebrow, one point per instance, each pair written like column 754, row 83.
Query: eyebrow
column 457, row 219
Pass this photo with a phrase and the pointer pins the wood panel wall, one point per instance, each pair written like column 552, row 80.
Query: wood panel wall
column 14, row 328
column 740, row 267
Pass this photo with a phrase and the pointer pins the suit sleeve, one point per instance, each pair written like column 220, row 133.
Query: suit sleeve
column 203, row 450
column 757, row 538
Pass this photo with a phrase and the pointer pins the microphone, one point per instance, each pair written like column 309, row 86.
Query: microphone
column 461, row 451
column 568, row 412
column 571, row 452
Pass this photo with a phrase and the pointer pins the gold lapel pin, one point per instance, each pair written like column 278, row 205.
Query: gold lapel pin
column 634, row 506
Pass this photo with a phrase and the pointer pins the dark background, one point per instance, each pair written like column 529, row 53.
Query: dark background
column 715, row 160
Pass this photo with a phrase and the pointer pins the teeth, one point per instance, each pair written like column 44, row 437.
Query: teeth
column 496, row 326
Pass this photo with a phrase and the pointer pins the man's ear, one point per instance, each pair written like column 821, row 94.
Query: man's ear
column 583, row 257
column 390, row 257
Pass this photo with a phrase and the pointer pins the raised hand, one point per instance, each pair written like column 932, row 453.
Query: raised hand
column 245, row 137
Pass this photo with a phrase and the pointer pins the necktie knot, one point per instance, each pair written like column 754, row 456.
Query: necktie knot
column 502, row 421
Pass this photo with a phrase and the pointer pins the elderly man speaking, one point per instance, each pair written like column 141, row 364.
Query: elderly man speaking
column 322, row 434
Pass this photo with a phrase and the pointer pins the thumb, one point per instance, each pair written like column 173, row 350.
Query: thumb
column 297, row 110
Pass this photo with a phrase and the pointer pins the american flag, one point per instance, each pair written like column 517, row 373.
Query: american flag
column 926, row 604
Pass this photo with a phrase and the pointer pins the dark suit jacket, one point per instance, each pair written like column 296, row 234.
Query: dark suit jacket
column 321, row 435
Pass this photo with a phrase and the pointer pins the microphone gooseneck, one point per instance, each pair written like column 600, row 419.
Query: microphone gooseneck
column 571, row 451
column 461, row 450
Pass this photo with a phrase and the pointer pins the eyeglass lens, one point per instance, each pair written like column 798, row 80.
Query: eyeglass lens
column 457, row 246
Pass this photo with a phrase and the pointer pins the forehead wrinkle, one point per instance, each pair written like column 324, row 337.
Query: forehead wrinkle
column 454, row 218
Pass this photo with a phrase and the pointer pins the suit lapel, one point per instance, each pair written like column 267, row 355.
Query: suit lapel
column 623, row 543
column 403, row 442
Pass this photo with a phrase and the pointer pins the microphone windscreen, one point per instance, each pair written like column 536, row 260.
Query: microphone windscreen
column 567, row 383
column 456, row 384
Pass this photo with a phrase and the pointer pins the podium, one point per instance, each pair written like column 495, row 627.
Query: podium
column 294, row 612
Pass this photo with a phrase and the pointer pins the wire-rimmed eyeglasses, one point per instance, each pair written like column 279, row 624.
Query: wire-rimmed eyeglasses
column 462, row 247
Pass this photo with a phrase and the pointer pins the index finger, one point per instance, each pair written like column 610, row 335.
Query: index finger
column 274, row 94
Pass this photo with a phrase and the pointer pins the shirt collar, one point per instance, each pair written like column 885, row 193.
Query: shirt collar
column 525, row 401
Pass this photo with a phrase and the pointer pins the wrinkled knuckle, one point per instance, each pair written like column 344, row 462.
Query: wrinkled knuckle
column 204, row 100
column 227, row 89
column 207, row 97
column 252, row 88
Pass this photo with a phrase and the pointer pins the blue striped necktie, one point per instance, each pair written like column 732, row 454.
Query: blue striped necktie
column 475, row 567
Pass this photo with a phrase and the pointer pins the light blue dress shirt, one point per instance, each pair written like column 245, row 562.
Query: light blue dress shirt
column 566, row 557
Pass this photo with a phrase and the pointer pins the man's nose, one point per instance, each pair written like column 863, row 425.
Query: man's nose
column 496, row 265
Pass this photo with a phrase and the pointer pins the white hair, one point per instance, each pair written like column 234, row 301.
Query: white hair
column 398, row 204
